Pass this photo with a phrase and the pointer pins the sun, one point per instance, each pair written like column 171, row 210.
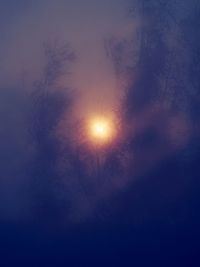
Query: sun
column 101, row 130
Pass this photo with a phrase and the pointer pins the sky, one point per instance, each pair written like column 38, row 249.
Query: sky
column 138, row 195
column 26, row 25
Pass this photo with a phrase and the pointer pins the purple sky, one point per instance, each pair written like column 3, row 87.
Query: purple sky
column 25, row 25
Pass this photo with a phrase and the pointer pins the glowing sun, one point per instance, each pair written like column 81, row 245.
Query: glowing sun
column 101, row 130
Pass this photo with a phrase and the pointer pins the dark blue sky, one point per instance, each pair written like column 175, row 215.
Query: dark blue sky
column 60, row 203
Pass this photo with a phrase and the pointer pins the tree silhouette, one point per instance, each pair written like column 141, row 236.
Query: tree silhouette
column 160, row 108
column 48, row 104
column 190, row 37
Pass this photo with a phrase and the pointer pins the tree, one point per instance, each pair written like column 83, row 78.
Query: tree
column 190, row 37
column 48, row 104
column 163, row 87
column 153, row 106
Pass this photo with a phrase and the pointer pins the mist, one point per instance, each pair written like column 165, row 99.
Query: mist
column 133, row 68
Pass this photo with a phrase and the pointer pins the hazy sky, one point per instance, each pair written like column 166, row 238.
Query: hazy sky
column 26, row 24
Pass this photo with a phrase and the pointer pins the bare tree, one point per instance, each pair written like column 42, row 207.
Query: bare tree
column 48, row 104
column 156, row 87
column 190, row 37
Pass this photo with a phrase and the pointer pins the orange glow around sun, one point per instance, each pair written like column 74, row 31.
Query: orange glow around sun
column 101, row 130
